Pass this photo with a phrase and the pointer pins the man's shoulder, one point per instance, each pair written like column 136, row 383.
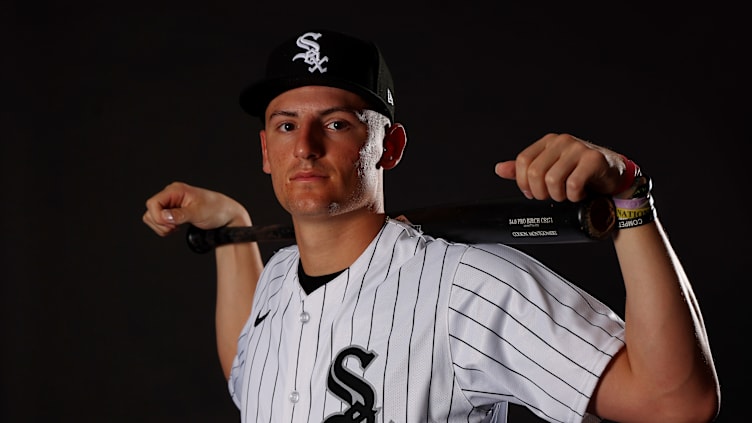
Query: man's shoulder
column 284, row 255
column 481, row 255
column 433, row 241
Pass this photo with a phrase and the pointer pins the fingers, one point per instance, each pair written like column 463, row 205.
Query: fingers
column 163, row 210
column 160, row 227
column 506, row 169
column 560, row 167
column 543, row 167
column 180, row 203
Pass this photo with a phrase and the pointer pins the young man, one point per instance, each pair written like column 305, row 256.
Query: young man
column 366, row 318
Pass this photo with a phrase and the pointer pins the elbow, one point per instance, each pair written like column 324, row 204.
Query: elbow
column 702, row 407
column 709, row 405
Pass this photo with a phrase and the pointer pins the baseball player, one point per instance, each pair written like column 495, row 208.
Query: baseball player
column 367, row 319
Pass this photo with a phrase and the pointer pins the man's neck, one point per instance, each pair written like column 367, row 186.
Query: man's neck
column 333, row 244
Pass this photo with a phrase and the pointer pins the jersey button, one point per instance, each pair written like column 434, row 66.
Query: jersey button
column 294, row 397
column 305, row 317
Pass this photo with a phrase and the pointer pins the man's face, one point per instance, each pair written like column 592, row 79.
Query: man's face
column 322, row 149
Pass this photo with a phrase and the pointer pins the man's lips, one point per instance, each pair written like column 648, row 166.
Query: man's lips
column 307, row 175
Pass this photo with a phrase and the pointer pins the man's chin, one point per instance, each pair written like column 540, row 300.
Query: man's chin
column 313, row 209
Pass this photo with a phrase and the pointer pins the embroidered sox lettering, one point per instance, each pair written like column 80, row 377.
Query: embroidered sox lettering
column 312, row 55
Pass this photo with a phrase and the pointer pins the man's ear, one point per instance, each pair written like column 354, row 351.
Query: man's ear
column 394, row 145
column 264, row 158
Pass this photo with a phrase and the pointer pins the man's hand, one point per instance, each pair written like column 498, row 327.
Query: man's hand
column 561, row 166
column 180, row 203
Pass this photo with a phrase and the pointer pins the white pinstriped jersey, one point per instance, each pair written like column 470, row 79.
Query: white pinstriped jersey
column 421, row 330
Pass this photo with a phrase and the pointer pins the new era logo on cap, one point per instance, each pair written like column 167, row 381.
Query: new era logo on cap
column 324, row 58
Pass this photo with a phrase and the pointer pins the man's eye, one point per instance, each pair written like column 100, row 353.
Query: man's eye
column 337, row 125
column 286, row 127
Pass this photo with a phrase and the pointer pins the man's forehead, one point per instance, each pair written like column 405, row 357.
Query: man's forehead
column 302, row 110
column 316, row 99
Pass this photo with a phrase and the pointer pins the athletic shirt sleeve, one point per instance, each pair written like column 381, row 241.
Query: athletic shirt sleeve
column 520, row 333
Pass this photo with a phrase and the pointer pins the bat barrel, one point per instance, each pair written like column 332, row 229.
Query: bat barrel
column 514, row 221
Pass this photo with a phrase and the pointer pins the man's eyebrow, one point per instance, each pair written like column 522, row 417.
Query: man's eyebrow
column 324, row 112
column 284, row 113
column 345, row 109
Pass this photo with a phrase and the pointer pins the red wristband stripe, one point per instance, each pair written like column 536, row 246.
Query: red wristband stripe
column 630, row 172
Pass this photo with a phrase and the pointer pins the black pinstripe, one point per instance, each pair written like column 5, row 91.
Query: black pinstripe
column 449, row 331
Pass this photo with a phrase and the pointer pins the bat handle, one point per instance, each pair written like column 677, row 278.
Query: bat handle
column 204, row 240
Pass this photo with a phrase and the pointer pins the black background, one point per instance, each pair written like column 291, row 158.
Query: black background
column 104, row 104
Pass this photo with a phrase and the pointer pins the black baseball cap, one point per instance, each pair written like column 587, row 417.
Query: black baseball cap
column 328, row 58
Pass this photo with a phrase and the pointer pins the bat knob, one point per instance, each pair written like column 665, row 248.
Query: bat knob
column 200, row 240
column 599, row 217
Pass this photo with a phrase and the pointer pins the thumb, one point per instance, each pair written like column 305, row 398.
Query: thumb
column 174, row 216
column 506, row 169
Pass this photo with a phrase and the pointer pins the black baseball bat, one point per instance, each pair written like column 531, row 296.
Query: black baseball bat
column 506, row 221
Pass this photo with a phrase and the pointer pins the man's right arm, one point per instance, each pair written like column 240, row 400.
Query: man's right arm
column 238, row 265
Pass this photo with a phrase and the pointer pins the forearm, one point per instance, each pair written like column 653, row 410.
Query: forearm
column 239, row 267
column 666, row 344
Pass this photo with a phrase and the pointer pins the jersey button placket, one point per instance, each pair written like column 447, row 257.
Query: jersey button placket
column 294, row 397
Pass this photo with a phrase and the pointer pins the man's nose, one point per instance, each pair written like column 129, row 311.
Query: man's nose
column 309, row 142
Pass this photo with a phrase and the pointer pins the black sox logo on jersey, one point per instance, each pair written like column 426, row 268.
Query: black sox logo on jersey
column 351, row 388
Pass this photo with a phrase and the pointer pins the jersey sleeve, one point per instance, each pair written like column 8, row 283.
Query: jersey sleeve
column 520, row 333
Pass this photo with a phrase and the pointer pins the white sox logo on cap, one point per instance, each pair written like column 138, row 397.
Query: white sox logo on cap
column 327, row 58
column 312, row 55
